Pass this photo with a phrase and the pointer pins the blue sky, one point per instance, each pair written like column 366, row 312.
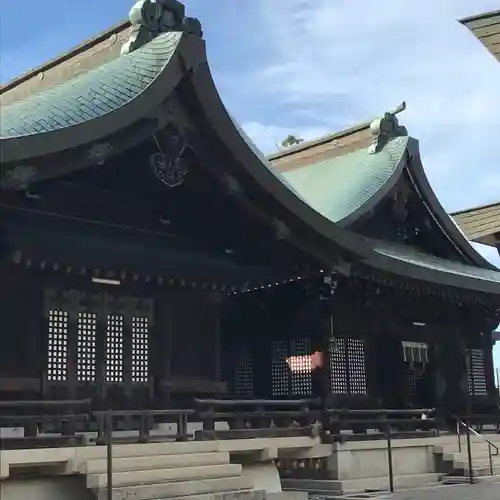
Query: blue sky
column 310, row 67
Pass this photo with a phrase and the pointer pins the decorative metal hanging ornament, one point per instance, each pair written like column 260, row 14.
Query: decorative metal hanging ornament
column 171, row 167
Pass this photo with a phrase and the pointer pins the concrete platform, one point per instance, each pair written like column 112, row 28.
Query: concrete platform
column 70, row 460
column 130, row 464
column 162, row 491
column 152, row 476
column 357, row 486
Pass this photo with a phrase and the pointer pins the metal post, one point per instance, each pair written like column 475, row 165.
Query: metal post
column 469, row 454
column 389, row 457
column 491, row 460
column 109, row 449
column 459, row 437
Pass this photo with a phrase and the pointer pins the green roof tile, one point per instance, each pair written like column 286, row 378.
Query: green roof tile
column 90, row 95
column 410, row 255
column 345, row 185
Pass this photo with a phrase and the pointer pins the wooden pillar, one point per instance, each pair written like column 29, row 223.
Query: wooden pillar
column 387, row 370
column 100, row 352
column 450, row 356
column 321, row 376
column 160, row 350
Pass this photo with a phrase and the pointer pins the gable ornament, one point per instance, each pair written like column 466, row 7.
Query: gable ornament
column 385, row 128
column 151, row 18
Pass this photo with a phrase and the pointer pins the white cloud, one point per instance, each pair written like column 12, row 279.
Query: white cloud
column 347, row 61
column 269, row 137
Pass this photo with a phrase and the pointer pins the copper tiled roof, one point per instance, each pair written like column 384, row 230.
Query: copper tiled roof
column 486, row 28
column 480, row 224
column 81, row 59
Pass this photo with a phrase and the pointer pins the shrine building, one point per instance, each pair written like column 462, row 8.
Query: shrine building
column 150, row 253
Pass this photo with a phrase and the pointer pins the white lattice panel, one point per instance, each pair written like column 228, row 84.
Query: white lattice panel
column 114, row 349
column 477, row 375
column 57, row 355
column 338, row 366
column 140, row 350
column 243, row 384
column 279, row 368
column 301, row 377
column 86, row 347
column 356, row 364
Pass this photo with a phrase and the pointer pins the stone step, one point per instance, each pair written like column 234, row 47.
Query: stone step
column 236, row 495
column 453, row 448
column 288, row 495
column 162, row 491
column 162, row 475
column 476, row 462
column 478, row 470
column 454, row 479
column 147, row 449
column 153, row 462
column 463, row 457
column 352, row 486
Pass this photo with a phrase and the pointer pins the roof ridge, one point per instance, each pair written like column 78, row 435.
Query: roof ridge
column 473, row 209
column 78, row 49
column 321, row 140
column 478, row 17
column 335, row 135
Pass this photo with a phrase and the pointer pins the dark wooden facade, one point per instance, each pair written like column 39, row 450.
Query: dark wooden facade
column 150, row 254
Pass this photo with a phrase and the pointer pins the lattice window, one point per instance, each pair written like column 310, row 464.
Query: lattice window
column 114, row 349
column 339, row 382
column 140, row 350
column 413, row 377
column 57, row 365
column 301, row 377
column 356, row 366
column 279, row 368
column 243, row 383
column 86, row 354
column 477, row 373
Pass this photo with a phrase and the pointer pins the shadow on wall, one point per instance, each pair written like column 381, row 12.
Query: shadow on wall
column 55, row 488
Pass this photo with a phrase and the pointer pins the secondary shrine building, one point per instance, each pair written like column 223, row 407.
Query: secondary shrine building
column 150, row 253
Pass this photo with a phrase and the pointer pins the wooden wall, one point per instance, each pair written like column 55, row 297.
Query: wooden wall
column 21, row 301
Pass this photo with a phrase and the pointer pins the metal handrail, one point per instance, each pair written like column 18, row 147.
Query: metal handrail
column 493, row 445
column 469, row 429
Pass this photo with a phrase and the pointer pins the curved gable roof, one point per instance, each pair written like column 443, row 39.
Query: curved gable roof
column 441, row 217
column 345, row 187
column 94, row 104
column 158, row 68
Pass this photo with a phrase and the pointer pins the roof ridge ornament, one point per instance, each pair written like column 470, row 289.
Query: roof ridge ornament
column 151, row 18
column 385, row 128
